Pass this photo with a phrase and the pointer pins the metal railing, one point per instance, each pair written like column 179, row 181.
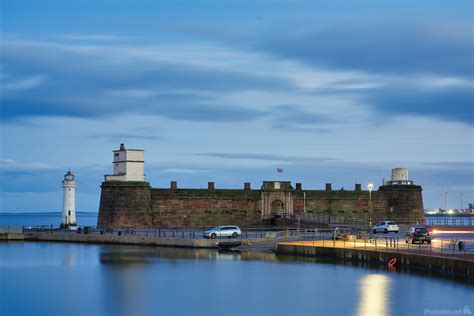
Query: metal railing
column 453, row 248
column 372, row 220
column 193, row 233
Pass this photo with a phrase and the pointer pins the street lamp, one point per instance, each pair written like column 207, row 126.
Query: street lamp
column 370, row 186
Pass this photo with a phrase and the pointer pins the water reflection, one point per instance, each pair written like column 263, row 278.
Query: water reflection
column 49, row 278
column 141, row 255
column 68, row 256
column 123, row 255
column 374, row 292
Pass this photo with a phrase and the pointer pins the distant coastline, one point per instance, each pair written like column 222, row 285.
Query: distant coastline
column 449, row 215
column 44, row 218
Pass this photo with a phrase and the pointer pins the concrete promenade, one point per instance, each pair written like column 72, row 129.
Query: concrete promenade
column 139, row 239
column 452, row 262
column 124, row 240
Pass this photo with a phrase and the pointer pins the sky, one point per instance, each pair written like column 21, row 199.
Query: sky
column 227, row 91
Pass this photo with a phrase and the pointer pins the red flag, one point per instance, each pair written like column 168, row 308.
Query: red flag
column 279, row 170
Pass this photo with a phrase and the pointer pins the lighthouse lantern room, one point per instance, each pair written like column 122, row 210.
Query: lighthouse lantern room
column 68, row 219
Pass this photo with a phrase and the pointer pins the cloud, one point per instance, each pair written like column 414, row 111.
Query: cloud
column 454, row 104
column 394, row 47
column 184, row 170
column 21, row 84
column 123, row 137
column 93, row 81
column 394, row 67
column 91, row 37
column 451, row 164
column 11, row 165
column 268, row 157
column 41, row 177
column 295, row 118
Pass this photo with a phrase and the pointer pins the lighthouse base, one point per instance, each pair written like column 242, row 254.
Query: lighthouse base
column 68, row 226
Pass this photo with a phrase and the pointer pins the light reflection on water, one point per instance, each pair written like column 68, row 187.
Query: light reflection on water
column 374, row 292
column 80, row 279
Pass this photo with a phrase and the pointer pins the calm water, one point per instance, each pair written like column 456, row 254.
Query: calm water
column 79, row 279
column 40, row 219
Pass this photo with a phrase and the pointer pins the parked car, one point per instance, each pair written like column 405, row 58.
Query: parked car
column 223, row 231
column 418, row 234
column 385, row 227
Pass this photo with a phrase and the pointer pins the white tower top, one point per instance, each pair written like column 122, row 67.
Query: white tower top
column 68, row 219
column 399, row 174
column 400, row 177
column 128, row 165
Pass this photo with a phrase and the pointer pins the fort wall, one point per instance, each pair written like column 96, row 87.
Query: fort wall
column 200, row 207
column 136, row 204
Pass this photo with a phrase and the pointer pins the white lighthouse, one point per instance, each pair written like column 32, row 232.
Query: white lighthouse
column 68, row 220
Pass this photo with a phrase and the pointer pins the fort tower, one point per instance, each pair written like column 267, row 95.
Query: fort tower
column 128, row 165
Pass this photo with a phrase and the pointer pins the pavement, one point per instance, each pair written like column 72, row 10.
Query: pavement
column 438, row 247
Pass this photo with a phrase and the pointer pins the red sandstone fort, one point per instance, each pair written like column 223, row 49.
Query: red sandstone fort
column 128, row 201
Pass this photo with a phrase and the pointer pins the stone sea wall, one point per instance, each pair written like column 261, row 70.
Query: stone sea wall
column 136, row 204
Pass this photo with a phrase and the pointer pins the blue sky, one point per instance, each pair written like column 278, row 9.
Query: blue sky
column 227, row 91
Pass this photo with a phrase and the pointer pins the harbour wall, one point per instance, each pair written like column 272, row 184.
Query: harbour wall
column 447, row 265
column 140, row 240
column 12, row 236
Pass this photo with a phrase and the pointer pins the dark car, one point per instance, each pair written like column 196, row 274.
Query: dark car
column 418, row 234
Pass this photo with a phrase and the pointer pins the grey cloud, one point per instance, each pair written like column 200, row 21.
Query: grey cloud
column 381, row 47
column 454, row 104
column 123, row 137
column 80, row 79
column 295, row 118
column 88, row 179
column 268, row 157
column 450, row 164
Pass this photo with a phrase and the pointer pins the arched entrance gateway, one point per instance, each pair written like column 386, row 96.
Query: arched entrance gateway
column 277, row 208
column 277, row 199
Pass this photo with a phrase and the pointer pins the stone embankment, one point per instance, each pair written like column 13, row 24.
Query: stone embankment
column 12, row 236
column 457, row 264
column 145, row 241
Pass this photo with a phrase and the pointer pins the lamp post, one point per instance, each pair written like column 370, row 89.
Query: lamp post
column 370, row 186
